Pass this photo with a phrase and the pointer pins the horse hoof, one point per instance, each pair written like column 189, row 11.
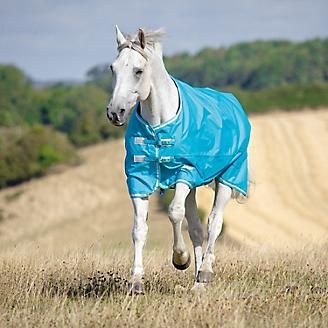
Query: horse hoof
column 204, row 277
column 181, row 260
column 136, row 288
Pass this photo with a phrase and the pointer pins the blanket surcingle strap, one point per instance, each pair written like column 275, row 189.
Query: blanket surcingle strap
column 207, row 139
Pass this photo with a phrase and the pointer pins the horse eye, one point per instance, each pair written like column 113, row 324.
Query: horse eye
column 139, row 72
column 111, row 68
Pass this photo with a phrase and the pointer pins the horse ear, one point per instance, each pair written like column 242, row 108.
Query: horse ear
column 119, row 37
column 141, row 37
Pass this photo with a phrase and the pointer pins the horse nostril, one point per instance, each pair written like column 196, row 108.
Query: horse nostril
column 122, row 111
column 115, row 117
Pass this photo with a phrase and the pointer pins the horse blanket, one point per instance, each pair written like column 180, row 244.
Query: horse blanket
column 207, row 139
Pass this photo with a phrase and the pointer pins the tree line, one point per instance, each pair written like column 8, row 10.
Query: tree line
column 40, row 127
column 246, row 66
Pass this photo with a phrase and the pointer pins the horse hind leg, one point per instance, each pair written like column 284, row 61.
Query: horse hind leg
column 215, row 221
column 195, row 229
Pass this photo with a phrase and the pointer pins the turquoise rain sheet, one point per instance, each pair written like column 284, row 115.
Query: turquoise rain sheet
column 206, row 140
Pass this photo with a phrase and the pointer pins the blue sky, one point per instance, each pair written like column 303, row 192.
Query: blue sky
column 60, row 39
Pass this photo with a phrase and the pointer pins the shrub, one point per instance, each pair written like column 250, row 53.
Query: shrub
column 27, row 153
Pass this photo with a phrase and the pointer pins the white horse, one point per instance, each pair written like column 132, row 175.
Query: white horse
column 139, row 76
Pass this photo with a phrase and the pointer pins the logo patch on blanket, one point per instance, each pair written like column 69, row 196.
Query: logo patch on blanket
column 206, row 140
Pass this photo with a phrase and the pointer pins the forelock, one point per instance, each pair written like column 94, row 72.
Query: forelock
column 151, row 38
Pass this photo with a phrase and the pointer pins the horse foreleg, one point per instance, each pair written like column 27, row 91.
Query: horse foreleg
column 215, row 221
column 195, row 229
column 181, row 256
column 139, row 235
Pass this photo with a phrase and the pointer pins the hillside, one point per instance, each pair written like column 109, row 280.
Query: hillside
column 73, row 208
column 288, row 204
column 88, row 206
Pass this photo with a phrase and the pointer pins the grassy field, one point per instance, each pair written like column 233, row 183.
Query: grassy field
column 65, row 243
column 87, row 289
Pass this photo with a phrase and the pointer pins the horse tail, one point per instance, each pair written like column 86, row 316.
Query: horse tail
column 240, row 197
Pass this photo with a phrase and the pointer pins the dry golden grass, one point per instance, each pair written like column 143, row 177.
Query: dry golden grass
column 87, row 289
column 65, row 245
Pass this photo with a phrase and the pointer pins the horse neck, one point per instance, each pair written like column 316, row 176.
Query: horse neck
column 163, row 100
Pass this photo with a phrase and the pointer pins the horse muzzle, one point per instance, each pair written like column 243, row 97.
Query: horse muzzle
column 115, row 119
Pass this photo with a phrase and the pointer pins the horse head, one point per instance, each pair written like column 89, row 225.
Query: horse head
column 131, row 72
